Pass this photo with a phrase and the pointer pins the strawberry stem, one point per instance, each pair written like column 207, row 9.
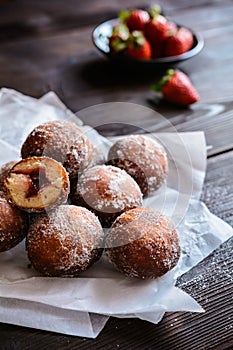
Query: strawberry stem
column 119, row 45
column 137, row 38
column 154, row 11
column 163, row 81
column 123, row 15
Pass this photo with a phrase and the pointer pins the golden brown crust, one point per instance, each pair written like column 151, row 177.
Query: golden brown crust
column 37, row 184
column 13, row 225
column 4, row 171
column 107, row 191
column 63, row 141
column 143, row 158
column 143, row 243
column 64, row 242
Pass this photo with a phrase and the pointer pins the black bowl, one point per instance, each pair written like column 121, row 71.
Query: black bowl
column 103, row 31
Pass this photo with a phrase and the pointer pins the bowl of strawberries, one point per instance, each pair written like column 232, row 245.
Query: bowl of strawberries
column 146, row 36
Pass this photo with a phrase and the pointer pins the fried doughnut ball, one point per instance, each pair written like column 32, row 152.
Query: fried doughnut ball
column 13, row 224
column 64, row 242
column 142, row 243
column 107, row 191
column 37, row 184
column 4, row 171
column 63, row 141
column 143, row 158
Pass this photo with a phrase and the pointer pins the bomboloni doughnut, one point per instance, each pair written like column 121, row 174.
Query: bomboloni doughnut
column 65, row 241
column 142, row 243
column 63, row 141
column 37, row 184
column 143, row 158
column 107, row 191
column 4, row 171
column 13, row 224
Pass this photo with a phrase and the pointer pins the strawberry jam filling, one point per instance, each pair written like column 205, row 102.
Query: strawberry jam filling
column 37, row 180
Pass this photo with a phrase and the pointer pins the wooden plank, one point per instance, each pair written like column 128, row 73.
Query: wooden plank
column 21, row 19
column 215, row 119
column 218, row 188
column 68, row 63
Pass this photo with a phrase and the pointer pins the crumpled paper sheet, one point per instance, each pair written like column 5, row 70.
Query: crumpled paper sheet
column 81, row 306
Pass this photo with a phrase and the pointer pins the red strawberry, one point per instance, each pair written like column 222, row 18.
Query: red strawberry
column 135, row 19
column 178, row 42
column 171, row 28
column 138, row 46
column 156, row 31
column 156, row 28
column 177, row 88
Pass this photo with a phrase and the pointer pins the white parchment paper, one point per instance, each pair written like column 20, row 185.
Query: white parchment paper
column 81, row 306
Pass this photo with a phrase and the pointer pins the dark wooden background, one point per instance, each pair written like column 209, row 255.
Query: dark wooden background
column 46, row 45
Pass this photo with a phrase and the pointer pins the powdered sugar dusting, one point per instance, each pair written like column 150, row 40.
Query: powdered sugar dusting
column 143, row 158
column 61, row 140
column 143, row 243
column 65, row 242
column 109, row 189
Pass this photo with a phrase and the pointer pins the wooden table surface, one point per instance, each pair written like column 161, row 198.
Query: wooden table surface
column 46, row 45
